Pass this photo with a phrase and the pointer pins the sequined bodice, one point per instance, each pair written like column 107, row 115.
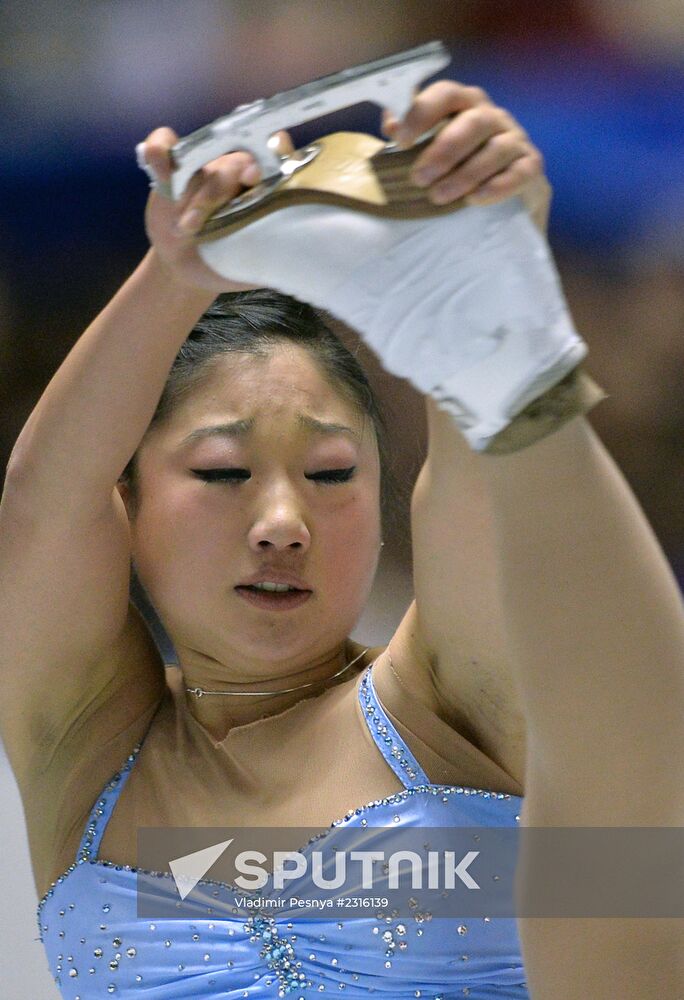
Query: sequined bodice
column 97, row 946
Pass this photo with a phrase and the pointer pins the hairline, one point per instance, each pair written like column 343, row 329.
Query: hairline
column 262, row 351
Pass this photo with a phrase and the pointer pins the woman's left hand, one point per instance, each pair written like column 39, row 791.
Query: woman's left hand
column 482, row 154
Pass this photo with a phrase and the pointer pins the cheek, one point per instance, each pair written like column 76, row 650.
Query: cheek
column 180, row 531
column 354, row 533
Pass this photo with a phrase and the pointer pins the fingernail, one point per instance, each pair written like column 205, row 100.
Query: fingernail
column 441, row 197
column 478, row 197
column 424, row 176
column 191, row 221
column 251, row 174
column 402, row 136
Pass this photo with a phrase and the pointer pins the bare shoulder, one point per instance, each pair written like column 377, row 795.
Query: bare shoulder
column 58, row 792
column 481, row 704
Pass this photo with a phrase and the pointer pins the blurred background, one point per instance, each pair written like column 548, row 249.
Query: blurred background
column 598, row 84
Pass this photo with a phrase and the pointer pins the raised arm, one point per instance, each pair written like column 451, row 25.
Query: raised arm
column 538, row 569
column 591, row 630
column 70, row 644
column 582, row 598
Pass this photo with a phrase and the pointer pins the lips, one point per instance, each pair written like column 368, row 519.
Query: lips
column 273, row 601
column 275, row 576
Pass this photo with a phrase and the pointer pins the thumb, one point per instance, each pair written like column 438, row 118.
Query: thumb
column 281, row 143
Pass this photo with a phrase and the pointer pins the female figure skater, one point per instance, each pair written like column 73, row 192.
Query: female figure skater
column 541, row 655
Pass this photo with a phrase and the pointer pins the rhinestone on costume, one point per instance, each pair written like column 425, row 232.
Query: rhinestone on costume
column 278, row 952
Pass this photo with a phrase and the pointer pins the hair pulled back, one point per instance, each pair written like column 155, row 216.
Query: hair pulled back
column 254, row 322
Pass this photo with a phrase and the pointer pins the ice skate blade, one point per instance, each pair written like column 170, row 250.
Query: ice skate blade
column 389, row 82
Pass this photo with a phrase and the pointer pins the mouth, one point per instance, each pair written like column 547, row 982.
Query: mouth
column 273, row 600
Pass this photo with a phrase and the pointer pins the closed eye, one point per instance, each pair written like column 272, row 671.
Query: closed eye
column 333, row 475
column 241, row 475
column 222, row 475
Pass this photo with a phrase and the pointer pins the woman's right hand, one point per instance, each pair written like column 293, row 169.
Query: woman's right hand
column 171, row 225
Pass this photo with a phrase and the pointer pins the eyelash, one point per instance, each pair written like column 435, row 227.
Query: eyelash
column 233, row 476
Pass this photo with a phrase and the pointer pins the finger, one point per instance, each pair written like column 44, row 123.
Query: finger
column 251, row 173
column 282, row 143
column 389, row 124
column 458, row 140
column 436, row 102
column 241, row 162
column 157, row 151
column 509, row 182
column 496, row 155
column 220, row 183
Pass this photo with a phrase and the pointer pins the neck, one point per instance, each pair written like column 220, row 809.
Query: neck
column 219, row 714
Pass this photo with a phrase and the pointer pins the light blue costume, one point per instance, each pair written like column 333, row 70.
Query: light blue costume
column 98, row 947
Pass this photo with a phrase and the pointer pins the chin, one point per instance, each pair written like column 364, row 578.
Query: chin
column 296, row 641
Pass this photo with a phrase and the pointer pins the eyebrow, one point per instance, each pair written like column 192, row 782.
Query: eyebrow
column 241, row 428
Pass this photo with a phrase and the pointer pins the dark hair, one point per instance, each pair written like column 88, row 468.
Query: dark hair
column 254, row 322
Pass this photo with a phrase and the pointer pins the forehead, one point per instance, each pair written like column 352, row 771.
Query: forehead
column 284, row 384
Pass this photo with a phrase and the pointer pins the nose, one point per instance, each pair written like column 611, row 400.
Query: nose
column 280, row 523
